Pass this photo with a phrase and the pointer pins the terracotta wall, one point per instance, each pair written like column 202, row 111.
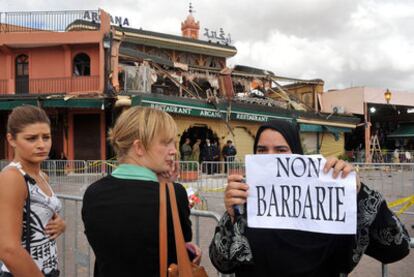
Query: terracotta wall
column 51, row 69
column 2, row 66
column 50, row 62
column 92, row 51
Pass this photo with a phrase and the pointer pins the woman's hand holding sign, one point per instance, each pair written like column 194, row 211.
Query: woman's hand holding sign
column 340, row 167
column 235, row 193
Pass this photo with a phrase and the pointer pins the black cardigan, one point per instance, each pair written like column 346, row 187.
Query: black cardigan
column 121, row 219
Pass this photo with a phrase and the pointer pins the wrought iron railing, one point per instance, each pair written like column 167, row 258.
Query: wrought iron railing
column 50, row 21
column 52, row 85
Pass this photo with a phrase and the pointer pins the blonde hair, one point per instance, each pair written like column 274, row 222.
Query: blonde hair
column 140, row 123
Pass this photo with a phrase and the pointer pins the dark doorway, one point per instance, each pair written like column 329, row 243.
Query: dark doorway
column 22, row 74
column 199, row 132
column 202, row 132
column 87, row 136
column 57, row 128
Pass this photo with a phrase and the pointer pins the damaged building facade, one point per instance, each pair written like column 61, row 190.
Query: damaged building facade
column 189, row 78
column 183, row 75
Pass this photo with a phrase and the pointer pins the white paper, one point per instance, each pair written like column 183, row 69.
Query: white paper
column 292, row 192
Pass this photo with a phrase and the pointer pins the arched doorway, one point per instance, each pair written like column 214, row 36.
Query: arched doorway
column 22, row 74
column 201, row 132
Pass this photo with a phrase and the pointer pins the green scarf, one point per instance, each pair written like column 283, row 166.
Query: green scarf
column 134, row 172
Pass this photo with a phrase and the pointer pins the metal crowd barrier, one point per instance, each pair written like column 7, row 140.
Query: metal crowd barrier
column 71, row 178
column 76, row 256
column 392, row 180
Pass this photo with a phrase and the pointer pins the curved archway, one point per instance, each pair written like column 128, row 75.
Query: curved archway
column 199, row 132
column 81, row 65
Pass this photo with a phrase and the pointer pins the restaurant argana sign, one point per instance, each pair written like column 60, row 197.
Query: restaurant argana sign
column 205, row 112
column 293, row 192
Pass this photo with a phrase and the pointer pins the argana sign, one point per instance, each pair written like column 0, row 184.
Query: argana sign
column 292, row 192
column 115, row 20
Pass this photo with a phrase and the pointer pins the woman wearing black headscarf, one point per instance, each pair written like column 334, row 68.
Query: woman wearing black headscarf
column 246, row 251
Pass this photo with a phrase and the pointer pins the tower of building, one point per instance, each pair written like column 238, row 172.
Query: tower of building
column 190, row 28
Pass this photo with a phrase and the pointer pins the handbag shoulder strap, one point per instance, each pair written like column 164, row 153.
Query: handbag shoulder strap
column 163, row 231
column 183, row 261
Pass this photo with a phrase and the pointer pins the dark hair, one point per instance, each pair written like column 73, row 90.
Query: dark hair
column 229, row 141
column 25, row 115
column 288, row 130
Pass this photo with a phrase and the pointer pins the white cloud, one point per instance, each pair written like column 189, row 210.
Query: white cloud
column 352, row 42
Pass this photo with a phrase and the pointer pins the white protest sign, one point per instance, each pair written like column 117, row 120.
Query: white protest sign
column 292, row 192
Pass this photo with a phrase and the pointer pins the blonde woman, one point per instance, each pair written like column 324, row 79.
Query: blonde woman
column 121, row 211
column 23, row 188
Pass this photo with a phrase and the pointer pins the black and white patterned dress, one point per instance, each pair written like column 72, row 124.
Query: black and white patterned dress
column 42, row 249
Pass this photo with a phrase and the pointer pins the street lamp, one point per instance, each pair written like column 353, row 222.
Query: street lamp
column 107, row 41
column 387, row 96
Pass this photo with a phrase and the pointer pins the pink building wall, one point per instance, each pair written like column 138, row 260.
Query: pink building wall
column 51, row 69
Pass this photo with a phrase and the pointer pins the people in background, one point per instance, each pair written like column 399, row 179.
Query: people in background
column 186, row 150
column 396, row 156
column 208, row 154
column 195, row 156
column 408, row 156
column 229, row 153
column 237, row 248
column 121, row 211
column 29, row 209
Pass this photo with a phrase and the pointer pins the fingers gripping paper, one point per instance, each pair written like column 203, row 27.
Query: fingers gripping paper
column 292, row 192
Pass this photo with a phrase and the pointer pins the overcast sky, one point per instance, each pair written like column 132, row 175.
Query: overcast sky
column 344, row 42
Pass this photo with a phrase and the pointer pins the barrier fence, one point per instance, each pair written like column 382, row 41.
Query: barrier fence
column 76, row 256
column 70, row 179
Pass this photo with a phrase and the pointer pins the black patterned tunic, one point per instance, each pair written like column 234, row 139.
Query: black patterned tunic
column 235, row 248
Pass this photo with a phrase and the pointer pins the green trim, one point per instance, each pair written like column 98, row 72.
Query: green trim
column 313, row 128
column 7, row 105
column 134, row 172
column 404, row 131
column 204, row 110
column 73, row 103
column 53, row 103
column 310, row 128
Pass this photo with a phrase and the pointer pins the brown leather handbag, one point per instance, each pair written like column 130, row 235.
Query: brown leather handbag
column 183, row 268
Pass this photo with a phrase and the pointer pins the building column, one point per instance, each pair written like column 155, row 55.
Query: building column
column 367, row 134
column 70, row 142
column 103, row 135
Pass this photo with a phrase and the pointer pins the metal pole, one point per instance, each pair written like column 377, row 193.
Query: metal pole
column 367, row 134
column 384, row 270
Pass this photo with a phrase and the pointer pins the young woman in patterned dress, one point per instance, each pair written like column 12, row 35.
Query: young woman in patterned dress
column 29, row 134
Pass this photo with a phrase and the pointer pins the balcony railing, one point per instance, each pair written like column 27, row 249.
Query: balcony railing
column 50, row 21
column 52, row 85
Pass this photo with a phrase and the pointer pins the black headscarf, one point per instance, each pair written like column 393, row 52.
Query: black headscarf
column 288, row 130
